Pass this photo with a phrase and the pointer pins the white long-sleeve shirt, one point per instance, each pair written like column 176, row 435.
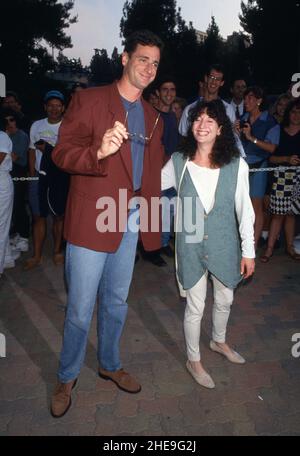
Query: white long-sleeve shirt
column 209, row 177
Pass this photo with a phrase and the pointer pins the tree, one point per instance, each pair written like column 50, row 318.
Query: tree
column 274, row 30
column 157, row 16
column 213, row 48
column 117, row 67
column 101, row 67
column 181, row 53
column 26, row 26
column 64, row 64
column 236, row 57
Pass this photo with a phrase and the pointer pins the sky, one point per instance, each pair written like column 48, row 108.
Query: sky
column 98, row 23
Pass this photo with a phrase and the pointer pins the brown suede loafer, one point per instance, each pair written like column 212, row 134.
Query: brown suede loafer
column 61, row 399
column 122, row 379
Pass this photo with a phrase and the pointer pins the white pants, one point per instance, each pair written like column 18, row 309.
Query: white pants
column 196, row 296
column 6, row 207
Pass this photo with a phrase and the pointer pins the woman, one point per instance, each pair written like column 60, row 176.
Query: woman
column 20, row 142
column 287, row 154
column 212, row 180
column 277, row 111
column 259, row 144
column 280, row 106
column 6, row 197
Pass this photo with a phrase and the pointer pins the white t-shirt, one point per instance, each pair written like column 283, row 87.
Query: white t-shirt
column 6, row 147
column 205, row 181
column 42, row 129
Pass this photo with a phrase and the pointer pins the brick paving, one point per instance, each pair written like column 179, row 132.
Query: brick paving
column 261, row 397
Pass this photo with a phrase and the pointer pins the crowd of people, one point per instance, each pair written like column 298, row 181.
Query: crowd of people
column 209, row 149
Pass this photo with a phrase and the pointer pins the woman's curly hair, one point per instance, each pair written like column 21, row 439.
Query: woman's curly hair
column 224, row 148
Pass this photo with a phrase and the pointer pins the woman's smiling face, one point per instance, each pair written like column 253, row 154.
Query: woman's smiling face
column 205, row 129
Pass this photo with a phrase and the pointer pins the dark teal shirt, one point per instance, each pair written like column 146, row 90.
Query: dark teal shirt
column 20, row 142
column 136, row 125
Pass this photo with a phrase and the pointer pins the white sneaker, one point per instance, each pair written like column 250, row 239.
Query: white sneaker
column 296, row 244
column 14, row 255
column 21, row 245
column 13, row 240
column 9, row 264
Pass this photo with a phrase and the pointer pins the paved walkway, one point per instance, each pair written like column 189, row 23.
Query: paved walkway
column 261, row 397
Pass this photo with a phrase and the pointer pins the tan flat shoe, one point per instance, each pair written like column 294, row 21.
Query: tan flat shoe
column 232, row 356
column 203, row 379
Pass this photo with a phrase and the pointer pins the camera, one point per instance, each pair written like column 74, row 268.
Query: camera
column 243, row 124
column 40, row 142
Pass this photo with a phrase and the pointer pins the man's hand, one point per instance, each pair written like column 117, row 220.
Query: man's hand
column 237, row 127
column 247, row 267
column 112, row 140
column 40, row 145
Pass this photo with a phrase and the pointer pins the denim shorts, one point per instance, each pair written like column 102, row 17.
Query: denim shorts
column 258, row 182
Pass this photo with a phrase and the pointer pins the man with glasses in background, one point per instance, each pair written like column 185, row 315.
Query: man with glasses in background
column 110, row 140
column 213, row 82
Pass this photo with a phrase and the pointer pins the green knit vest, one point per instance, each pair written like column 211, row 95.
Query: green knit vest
column 219, row 252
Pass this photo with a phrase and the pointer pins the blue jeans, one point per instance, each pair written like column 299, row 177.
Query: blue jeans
column 167, row 215
column 89, row 275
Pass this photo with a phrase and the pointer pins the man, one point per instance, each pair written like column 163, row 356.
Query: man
column 237, row 91
column 214, row 81
column 43, row 137
column 166, row 93
column 110, row 140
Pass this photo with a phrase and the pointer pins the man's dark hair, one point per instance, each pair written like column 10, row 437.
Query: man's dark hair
column 286, row 118
column 143, row 37
column 237, row 78
column 224, row 149
column 163, row 79
column 217, row 67
column 11, row 93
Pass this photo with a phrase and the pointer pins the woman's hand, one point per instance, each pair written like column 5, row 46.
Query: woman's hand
column 112, row 140
column 14, row 156
column 247, row 131
column 294, row 160
column 247, row 267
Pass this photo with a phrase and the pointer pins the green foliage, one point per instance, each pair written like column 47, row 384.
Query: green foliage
column 66, row 65
column 158, row 16
column 274, row 30
column 104, row 70
column 24, row 26
column 213, row 48
column 181, row 54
